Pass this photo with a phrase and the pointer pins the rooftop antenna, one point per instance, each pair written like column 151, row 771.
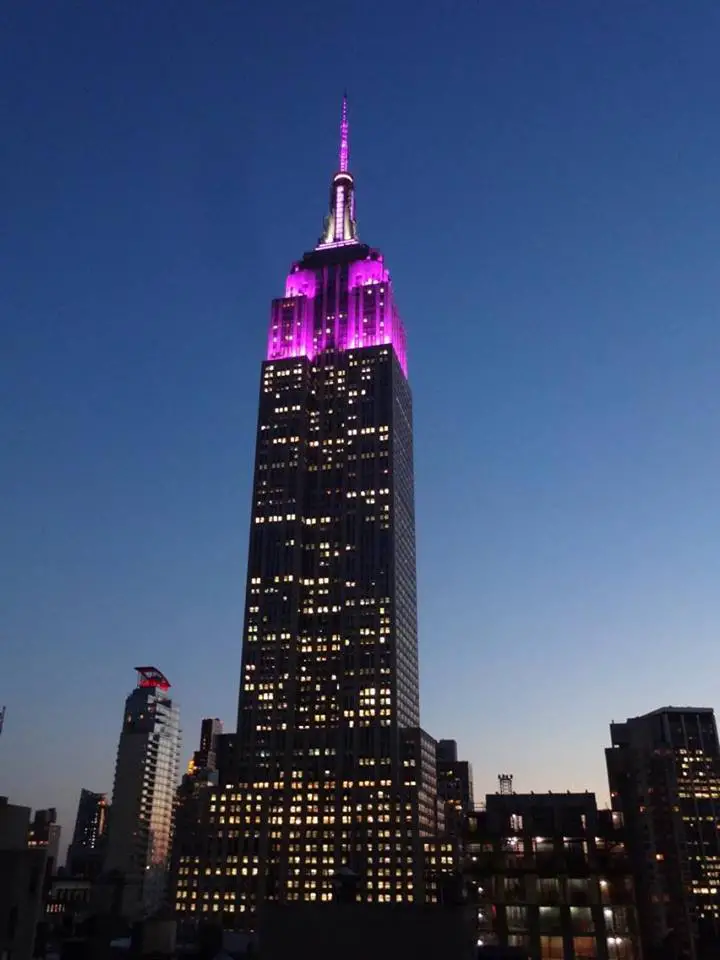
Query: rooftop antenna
column 505, row 780
column 344, row 138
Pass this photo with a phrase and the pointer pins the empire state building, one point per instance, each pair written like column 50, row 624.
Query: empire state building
column 332, row 776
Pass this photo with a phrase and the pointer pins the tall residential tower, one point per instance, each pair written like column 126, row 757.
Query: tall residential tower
column 331, row 772
column 146, row 773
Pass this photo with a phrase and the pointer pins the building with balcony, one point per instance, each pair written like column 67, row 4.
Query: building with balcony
column 551, row 877
column 146, row 769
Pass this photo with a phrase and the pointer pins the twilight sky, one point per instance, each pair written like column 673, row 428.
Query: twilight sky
column 542, row 176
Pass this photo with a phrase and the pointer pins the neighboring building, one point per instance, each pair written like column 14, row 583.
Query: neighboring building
column 442, row 860
column 419, row 782
column 664, row 773
column 87, row 850
column 68, row 904
column 329, row 662
column 204, row 758
column 191, row 818
column 44, row 831
column 551, row 877
column 23, row 874
column 146, row 772
column 454, row 784
column 225, row 757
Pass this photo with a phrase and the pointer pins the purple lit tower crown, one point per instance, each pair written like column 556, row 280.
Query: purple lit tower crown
column 339, row 296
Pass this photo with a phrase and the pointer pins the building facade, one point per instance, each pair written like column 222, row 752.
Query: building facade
column 87, row 849
column 204, row 758
column 455, row 784
column 329, row 662
column 664, row 773
column 44, row 831
column 146, row 773
column 551, row 877
column 190, row 822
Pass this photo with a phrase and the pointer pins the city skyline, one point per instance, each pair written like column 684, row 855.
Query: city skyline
column 560, row 218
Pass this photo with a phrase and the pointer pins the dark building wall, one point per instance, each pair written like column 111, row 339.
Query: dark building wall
column 87, row 850
column 44, row 831
column 455, row 784
column 447, row 751
column 22, row 882
column 22, row 878
column 205, row 757
column 359, row 931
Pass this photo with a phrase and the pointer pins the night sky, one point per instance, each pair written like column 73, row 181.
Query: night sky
column 542, row 176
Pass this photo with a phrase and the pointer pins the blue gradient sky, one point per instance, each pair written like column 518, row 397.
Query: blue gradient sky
column 542, row 177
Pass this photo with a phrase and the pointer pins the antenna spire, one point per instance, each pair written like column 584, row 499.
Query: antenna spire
column 344, row 144
column 340, row 227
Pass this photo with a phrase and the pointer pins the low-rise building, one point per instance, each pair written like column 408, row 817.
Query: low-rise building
column 551, row 877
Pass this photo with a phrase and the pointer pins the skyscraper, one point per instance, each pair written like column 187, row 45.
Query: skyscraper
column 329, row 704
column 87, row 849
column 146, row 771
column 664, row 772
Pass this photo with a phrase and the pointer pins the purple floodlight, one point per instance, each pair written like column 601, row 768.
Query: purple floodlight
column 308, row 321
column 313, row 316
column 300, row 283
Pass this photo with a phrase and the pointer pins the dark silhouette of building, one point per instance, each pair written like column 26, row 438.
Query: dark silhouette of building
column 24, row 873
column 87, row 849
column 354, row 931
column 664, row 773
column 68, row 905
column 550, row 877
column 204, row 758
column 329, row 676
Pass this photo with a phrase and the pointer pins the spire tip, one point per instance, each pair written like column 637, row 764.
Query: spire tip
column 344, row 144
